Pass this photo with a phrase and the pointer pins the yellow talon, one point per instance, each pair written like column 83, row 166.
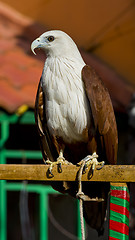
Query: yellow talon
column 91, row 160
column 60, row 160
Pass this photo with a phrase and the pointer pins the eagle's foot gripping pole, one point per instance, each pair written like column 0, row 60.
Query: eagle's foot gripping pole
column 91, row 160
column 82, row 163
column 60, row 161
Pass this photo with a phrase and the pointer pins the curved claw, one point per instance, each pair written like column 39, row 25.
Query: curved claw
column 84, row 169
column 59, row 168
column 103, row 163
column 50, row 172
column 92, row 171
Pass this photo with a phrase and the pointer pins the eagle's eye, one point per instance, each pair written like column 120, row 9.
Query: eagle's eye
column 50, row 38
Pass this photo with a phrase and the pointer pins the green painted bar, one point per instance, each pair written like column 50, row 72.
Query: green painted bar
column 43, row 216
column 7, row 117
column 38, row 188
column 20, row 154
column 27, row 118
column 118, row 235
column 119, row 201
column 119, row 217
column 4, row 133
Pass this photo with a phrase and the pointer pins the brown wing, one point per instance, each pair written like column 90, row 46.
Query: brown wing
column 102, row 113
column 46, row 143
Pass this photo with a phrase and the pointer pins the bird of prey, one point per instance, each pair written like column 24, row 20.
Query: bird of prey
column 75, row 117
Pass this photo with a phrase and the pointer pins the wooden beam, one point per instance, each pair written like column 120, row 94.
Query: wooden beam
column 109, row 173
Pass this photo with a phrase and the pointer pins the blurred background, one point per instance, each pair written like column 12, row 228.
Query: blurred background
column 105, row 34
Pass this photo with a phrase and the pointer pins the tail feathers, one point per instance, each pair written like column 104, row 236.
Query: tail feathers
column 94, row 215
column 95, row 212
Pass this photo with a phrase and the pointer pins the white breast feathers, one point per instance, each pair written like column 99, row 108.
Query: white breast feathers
column 66, row 103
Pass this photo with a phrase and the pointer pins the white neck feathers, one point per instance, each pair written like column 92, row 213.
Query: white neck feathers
column 66, row 102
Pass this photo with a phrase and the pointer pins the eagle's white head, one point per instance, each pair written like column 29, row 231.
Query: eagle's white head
column 56, row 43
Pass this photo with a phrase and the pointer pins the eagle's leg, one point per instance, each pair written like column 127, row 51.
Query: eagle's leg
column 92, row 160
column 60, row 160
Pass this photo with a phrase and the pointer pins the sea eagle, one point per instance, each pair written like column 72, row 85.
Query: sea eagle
column 75, row 117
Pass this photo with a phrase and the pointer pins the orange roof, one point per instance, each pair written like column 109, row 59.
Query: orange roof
column 20, row 70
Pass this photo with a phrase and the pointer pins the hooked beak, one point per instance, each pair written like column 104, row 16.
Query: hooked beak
column 35, row 45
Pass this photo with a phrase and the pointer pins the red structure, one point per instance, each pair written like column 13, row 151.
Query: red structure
column 119, row 212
